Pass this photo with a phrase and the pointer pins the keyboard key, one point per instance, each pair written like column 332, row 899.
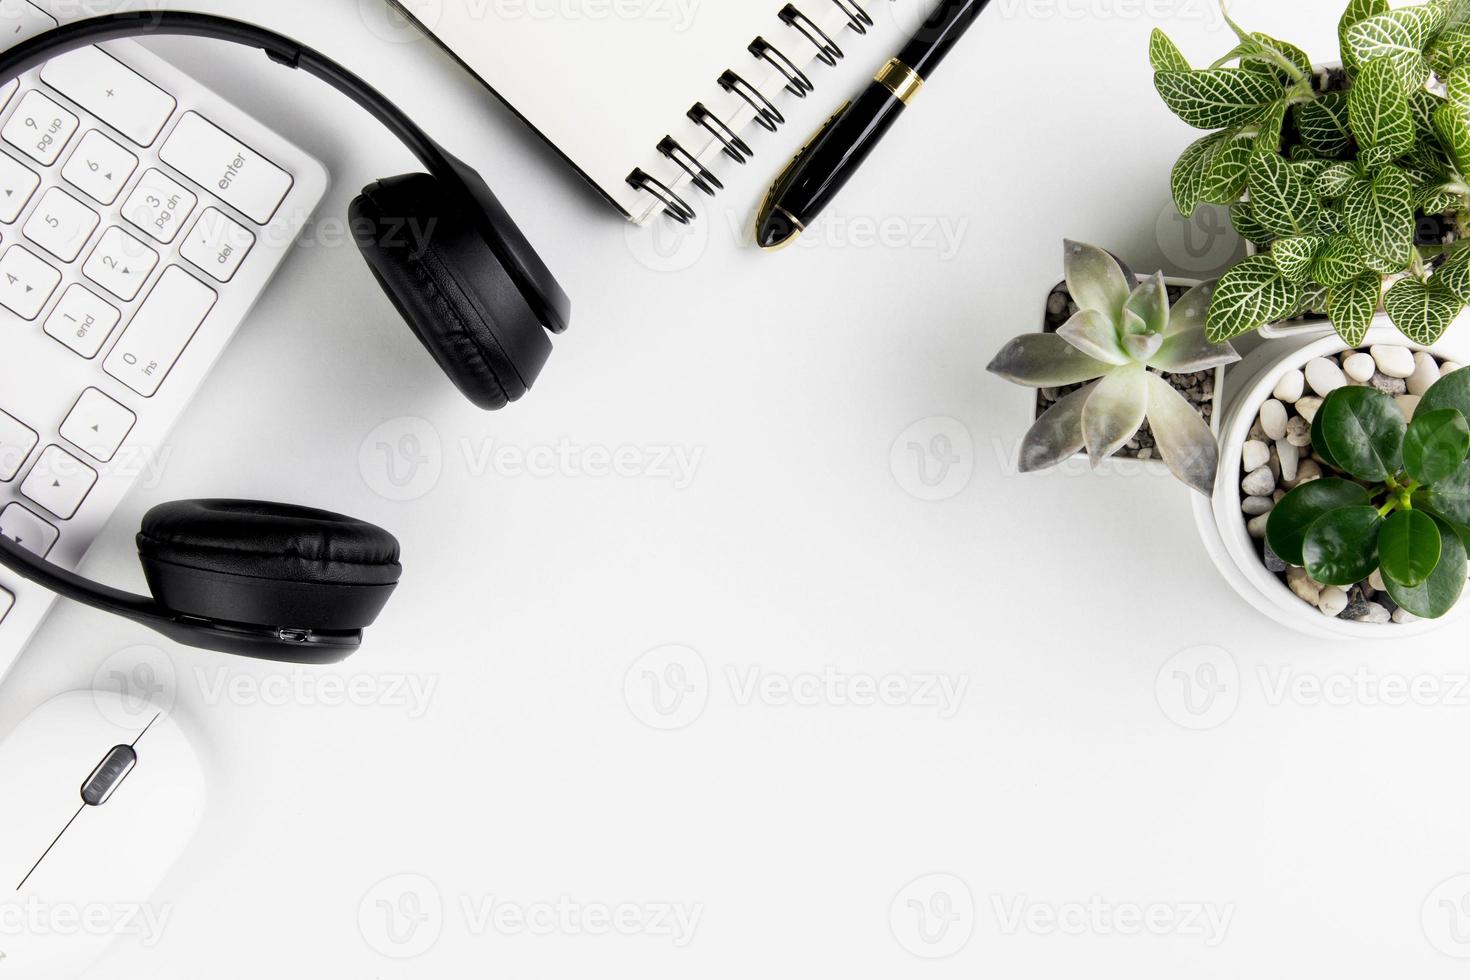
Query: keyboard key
column 26, row 282
column 218, row 244
column 162, row 328
column 116, row 94
column 17, row 183
column 82, row 320
column 221, row 164
column 61, row 224
column 28, row 529
column 7, row 602
column 40, row 128
column 21, row 21
column 100, row 167
column 16, row 442
column 159, row 205
column 59, row 482
column 97, row 425
column 120, row 264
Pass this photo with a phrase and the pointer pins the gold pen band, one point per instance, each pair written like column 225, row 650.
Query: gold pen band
column 901, row 80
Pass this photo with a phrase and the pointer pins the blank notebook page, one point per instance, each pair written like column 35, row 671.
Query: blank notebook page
column 605, row 80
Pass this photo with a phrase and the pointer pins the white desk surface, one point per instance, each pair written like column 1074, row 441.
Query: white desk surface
column 1073, row 825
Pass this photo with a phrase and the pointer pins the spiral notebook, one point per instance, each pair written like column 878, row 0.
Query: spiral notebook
column 646, row 98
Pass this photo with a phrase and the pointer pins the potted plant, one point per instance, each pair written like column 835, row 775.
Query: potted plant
column 1110, row 363
column 1314, row 432
column 1351, row 183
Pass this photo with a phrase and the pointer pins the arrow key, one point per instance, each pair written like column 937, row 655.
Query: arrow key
column 28, row 529
column 97, row 425
column 59, row 482
column 26, row 282
column 99, row 167
column 17, row 183
column 119, row 264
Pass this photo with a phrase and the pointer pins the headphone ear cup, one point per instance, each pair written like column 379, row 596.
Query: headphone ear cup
column 450, row 287
column 265, row 564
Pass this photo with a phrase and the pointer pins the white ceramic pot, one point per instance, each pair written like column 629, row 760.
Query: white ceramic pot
column 1221, row 523
column 1123, row 464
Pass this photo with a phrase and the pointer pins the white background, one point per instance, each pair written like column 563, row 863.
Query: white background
column 1068, row 606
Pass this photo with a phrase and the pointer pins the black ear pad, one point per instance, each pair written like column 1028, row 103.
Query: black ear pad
column 451, row 288
column 264, row 564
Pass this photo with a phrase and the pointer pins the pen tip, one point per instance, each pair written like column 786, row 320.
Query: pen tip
column 777, row 230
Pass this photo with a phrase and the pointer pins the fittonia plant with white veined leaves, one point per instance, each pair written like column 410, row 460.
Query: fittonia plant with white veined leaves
column 1122, row 329
column 1331, row 185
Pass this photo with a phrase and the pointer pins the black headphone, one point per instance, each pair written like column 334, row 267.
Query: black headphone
column 294, row 584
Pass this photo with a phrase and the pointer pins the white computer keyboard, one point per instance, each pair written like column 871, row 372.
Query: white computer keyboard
column 141, row 215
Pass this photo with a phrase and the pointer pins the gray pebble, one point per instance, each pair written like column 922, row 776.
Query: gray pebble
column 1260, row 482
column 1390, row 386
column 1256, row 506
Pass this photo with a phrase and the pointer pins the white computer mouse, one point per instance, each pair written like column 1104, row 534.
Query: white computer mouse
column 99, row 796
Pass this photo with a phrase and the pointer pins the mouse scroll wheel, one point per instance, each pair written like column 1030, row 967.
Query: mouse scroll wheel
column 109, row 774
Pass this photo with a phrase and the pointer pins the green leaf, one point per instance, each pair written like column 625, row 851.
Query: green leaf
column 1450, row 391
column 1364, row 431
column 1252, row 294
column 1454, row 276
column 1256, row 53
column 1320, row 446
column 1217, row 98
column 1286, row 528
column 1408, row 547
column 1357, row 10
column 1280, row 199
column 1044, row 360
column 1450, row 50
column 1294, row 256
column 1341, row 546
column 1243, row 217
column 1397, row 37
column 1457, row 87
column 1438, row 594
column 1115, row 411
column 1436, row 445
column 1421, row 310
column 1164, row 54
column 1339, row 262
column 1352, row 305
column 1323, row 124
column 1378, row 112
column 1187, row 180
column 1449, row 497
column 1453, row 128
column 1380, row 214
column 1268, row 135
column 1225, row 174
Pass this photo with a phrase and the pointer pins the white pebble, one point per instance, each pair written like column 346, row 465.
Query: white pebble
column 1426, row 373
column 1307, row 407
column 1256, row 506
column 1359, row 367
column 1408, row 404
column 1299, row 432
column 1257, row 526
column 1449, row 367
column 1291, row 386
column 1259, row 482
column 1376, row 581
column 1302, row 584
column 1396, row 362
column 1273, row 419
column 1375, row 614
column 1332, row 601
column 1403, row 617
column 1254, row 454
column 1324, row 376
column 1290, row 456
column 1307, row 471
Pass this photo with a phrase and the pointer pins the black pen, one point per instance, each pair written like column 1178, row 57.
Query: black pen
column 826, row 164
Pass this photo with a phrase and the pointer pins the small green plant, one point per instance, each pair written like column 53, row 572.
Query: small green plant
column 1331, row 185
column 1121, row 330
column 1401, row 505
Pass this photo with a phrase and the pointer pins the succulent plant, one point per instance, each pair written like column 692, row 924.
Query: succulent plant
column 1333, row 181
column 1401, row 505
column 1122, row 338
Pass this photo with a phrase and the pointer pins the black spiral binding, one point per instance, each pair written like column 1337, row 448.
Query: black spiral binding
column 827, row 50
column 798, row 83
column 700, row 175
column 735, row 147
column 857, row 18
